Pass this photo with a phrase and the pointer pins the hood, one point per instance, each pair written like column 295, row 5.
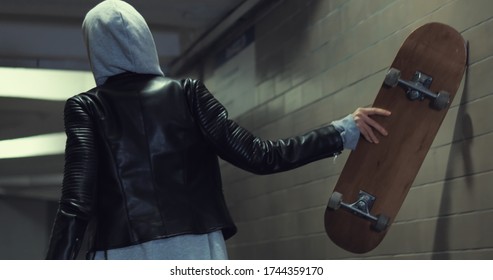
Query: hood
column 118, row 40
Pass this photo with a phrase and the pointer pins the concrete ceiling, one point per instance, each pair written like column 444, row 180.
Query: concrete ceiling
column 46, row 34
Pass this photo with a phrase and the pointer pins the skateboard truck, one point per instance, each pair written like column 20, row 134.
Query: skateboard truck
column 360, row 208
column 418, row 88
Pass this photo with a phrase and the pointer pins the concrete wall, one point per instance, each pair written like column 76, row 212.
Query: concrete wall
column 25, row 227
column 317, row 61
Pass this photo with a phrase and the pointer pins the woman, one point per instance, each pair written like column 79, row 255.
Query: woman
column 142, row 152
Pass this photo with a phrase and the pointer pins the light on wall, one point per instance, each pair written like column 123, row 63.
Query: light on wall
column 42, row 84
column 39, row 145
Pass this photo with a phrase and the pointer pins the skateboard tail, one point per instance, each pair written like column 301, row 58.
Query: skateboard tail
column 357, row 245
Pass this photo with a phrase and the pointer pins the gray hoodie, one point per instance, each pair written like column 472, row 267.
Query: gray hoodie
column 118, row 40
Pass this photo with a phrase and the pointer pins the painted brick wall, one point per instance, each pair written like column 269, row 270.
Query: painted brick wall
column 317, row 61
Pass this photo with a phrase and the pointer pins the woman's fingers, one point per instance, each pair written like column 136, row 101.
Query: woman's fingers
column 367, row 125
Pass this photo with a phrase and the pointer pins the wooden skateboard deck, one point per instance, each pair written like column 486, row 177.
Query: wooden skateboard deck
column 358, row 221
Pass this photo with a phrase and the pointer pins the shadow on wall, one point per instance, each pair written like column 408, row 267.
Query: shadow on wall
column 460, row 151
column 287, row 44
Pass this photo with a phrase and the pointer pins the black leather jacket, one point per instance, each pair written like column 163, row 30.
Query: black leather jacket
column 141, row 160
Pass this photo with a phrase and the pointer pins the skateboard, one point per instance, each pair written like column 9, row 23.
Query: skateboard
column 418, row 89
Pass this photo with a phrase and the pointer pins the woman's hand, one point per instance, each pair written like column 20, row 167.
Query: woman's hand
column 367, row 125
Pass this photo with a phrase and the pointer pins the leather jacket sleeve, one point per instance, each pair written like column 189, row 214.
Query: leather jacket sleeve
column 77, row 201
column 243, row 149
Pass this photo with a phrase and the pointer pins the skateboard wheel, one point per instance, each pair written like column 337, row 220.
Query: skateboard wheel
column 392, row 77
column 335, row 201
column 382, row 223
column 441, row 101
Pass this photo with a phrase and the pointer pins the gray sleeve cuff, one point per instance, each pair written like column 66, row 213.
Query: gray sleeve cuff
column 348, row 130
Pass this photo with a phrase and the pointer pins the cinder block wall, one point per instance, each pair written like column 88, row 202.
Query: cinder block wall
column 25, row 228
column 317, row 61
